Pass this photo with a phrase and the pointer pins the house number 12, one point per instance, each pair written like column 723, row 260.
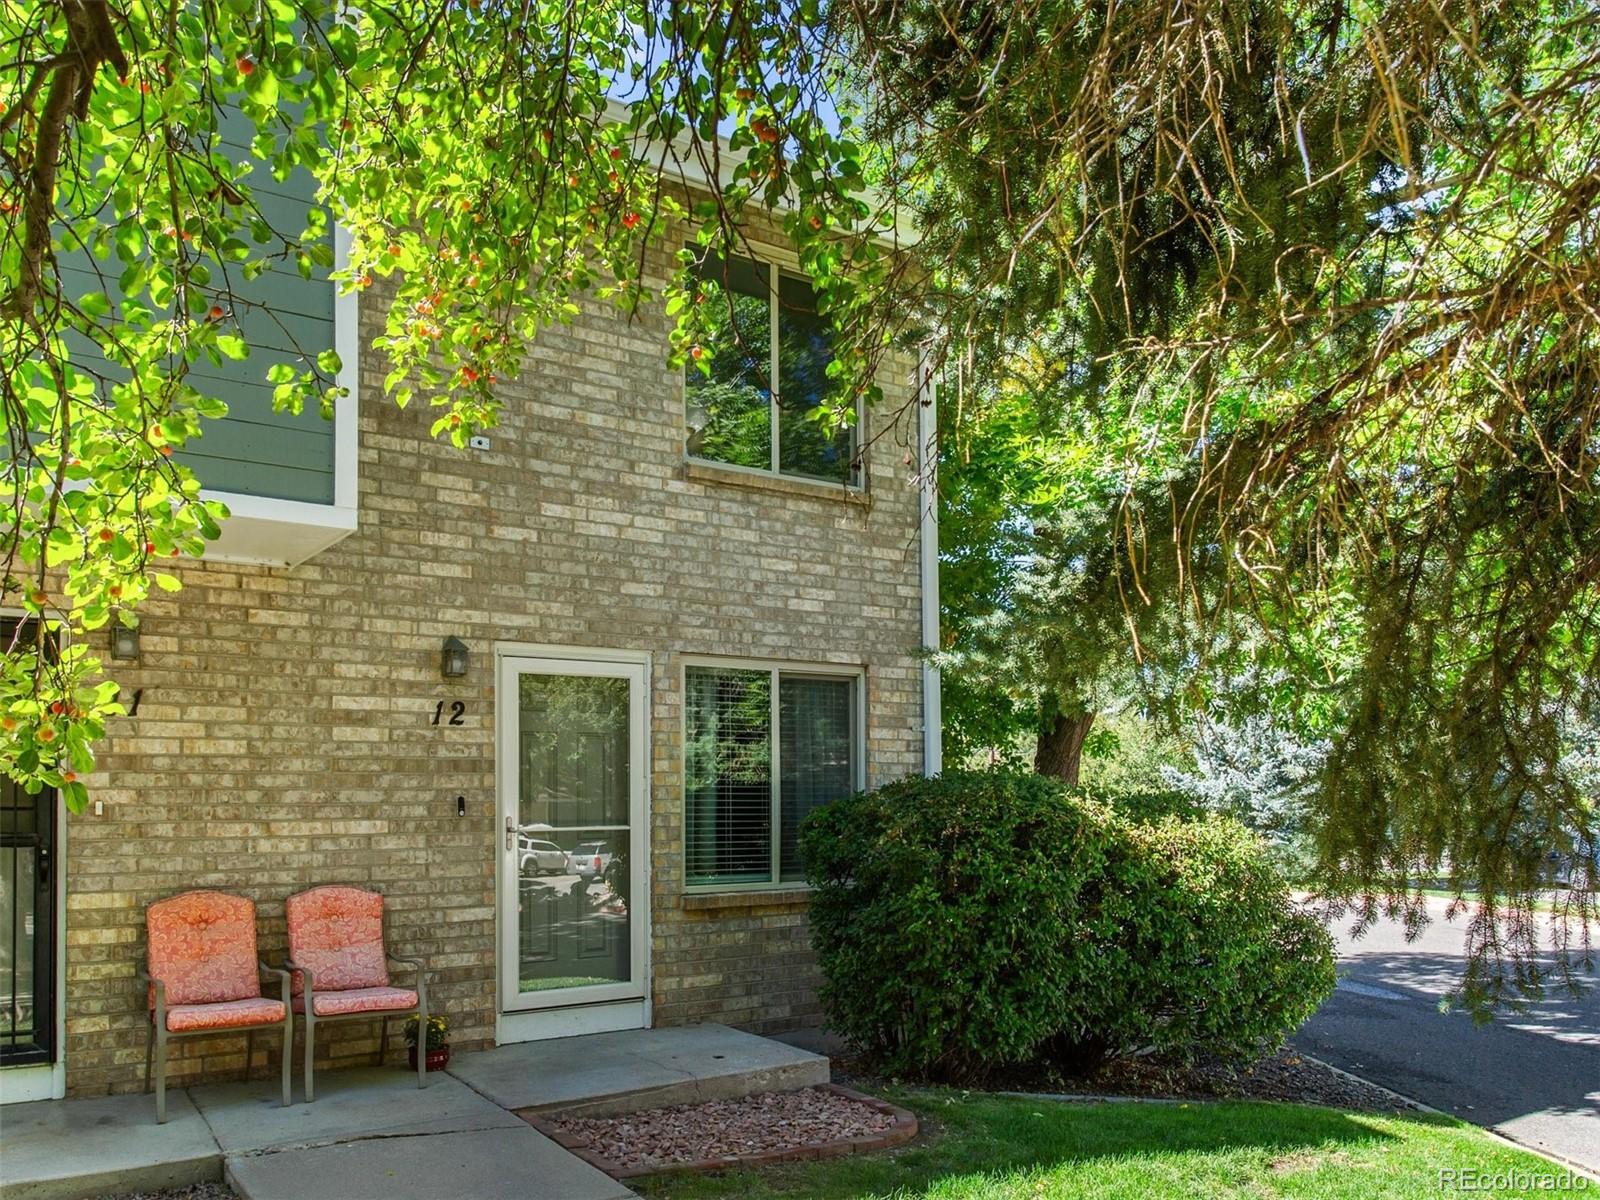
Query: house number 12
column 458, row 709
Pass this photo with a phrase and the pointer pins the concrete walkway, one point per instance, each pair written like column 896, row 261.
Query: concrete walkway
column 373, row 1135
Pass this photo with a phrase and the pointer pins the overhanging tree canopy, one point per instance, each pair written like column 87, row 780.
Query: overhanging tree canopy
column 1327, row 277
column 1334, row 266
column 479, row 157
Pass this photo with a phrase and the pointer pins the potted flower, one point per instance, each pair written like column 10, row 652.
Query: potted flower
column 438, row 1042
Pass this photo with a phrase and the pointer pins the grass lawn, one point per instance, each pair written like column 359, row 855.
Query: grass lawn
column 1550, row 902
column 978, row 1147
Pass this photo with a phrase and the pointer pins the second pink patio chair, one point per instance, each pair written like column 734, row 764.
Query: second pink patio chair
column 340, row 970
column 202, row 977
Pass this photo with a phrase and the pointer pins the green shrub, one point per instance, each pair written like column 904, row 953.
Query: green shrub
column 946, row 913
column 1146, row 804
column 1213, row 957
column 987, row 918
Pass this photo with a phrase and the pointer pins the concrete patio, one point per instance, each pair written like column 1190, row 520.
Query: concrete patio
column 373, row 1135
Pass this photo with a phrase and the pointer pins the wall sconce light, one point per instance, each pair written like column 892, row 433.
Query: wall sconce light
column 125, row 643
column 453, row 658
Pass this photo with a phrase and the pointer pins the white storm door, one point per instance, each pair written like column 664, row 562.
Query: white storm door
column 574, row 842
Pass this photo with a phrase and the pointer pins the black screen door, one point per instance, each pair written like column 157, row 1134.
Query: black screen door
column 27, row 919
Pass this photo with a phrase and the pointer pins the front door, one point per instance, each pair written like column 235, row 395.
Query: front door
column 27, row 916
column 574, row 844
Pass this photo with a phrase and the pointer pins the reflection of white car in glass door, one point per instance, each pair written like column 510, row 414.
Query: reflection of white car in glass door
column 539, row 857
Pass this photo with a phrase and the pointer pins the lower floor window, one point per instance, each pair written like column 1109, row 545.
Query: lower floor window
column 762, row 748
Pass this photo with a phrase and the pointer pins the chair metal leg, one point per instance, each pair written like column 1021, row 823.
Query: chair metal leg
column 422, row 1042
column 311, row 1037
column 149, row 1051
column 161, row 1076
column 287, row 1057
column 249, row 1053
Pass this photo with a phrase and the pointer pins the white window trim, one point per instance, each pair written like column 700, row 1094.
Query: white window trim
column 261, row 529
column 775, row 275
column 851, row 672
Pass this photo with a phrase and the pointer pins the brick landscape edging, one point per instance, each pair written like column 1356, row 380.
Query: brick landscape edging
column 902, row 1131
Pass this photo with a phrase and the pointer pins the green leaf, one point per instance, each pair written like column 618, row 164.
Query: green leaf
column 263, row 86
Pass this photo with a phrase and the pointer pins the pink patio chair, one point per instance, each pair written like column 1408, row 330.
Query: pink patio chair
column 340, row 970
column 203, row 977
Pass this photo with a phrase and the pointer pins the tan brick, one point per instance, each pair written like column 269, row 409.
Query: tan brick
column 285, row 739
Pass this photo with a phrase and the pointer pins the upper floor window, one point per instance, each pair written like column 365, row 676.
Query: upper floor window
column 768, row 352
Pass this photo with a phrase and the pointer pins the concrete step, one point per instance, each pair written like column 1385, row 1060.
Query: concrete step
column 602, row 1074
column 70, row 1149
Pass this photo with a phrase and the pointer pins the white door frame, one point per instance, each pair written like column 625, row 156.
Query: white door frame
column 529, row 1016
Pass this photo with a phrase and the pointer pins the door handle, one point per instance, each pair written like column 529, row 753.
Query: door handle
column 511, row 834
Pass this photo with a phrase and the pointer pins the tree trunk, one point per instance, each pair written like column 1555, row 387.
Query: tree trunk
column 1060, row 747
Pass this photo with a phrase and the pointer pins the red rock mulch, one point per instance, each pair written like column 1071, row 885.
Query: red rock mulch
column 815, row 1122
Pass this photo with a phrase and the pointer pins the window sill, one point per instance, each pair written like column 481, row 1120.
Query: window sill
column 699, row 471
column 754, row 898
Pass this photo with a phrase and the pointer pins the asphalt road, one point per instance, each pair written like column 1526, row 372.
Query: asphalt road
column 1534, row 1076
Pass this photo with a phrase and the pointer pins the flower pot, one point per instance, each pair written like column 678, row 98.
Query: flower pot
column 438, row 1059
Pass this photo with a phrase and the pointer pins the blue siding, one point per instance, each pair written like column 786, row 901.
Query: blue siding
column 253, row 451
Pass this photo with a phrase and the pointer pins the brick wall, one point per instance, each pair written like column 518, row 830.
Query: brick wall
column 284, row 735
